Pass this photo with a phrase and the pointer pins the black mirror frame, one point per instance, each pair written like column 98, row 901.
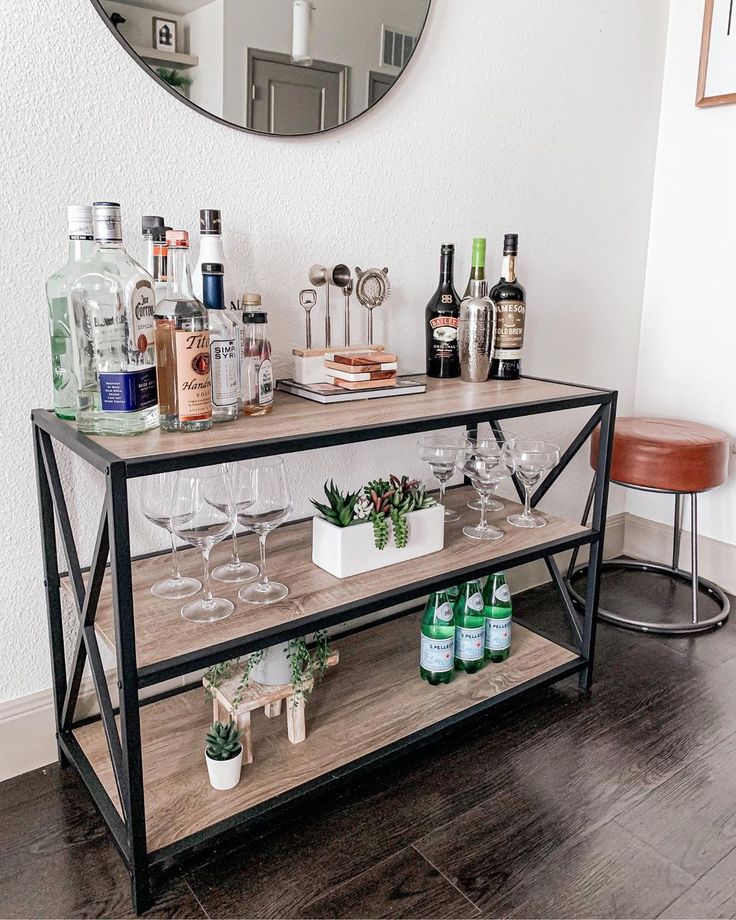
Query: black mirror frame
column 229, row 124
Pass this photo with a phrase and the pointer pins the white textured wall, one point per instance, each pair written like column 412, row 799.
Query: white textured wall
column 537, row 117
column 687, row 367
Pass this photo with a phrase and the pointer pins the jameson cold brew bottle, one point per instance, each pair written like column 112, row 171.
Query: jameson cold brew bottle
column 441, row 319
column 437, row 661
column 497, row 609
column 509, row 302
column 470, row 627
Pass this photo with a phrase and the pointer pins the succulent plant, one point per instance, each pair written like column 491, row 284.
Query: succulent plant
column 223, row 741
column 340, row 509
column 380, row 530
column 363, row 508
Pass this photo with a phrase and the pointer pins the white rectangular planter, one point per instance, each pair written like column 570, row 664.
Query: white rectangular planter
column 345, row 551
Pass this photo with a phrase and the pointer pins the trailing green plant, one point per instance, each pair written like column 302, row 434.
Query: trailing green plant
column 174, row 78
column 223, row 669
column 223, row 741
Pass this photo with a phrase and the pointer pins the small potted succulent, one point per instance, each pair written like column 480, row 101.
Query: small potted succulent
column 224, row 755
column 405, row 522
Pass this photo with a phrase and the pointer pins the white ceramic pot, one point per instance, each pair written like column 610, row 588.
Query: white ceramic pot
column 274, row 669
column 224, row 774
column 345, row 551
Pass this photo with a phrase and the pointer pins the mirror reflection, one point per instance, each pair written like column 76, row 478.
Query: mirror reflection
column 273, row 66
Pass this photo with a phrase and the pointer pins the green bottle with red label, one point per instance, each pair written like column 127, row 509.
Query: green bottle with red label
column 437, row 660
column 497, row 611
column 470, row 624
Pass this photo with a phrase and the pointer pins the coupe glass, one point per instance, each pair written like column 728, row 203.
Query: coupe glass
column 234, row 571
column 486, row 464
column 203, row 514
column 263, row 494
column 533, row 459
column 473, row 435
column 441, row 452
column 156, row 496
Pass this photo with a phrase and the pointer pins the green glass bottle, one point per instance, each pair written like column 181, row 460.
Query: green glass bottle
column 437, row 661
column 470, row 627
column 497, row 608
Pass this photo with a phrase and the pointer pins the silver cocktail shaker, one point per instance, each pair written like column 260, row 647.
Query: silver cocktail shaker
column 476, row 332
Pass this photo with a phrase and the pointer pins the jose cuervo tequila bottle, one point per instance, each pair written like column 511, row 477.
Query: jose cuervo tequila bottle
column 437, row 660
column 81, row 249
column 114, row 354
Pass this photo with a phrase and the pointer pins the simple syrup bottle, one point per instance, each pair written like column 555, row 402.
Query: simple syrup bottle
column 509, row 302
column 437, row 658
column 470, row 627
column 497, row 610
column 441, row 319
column 224, row 351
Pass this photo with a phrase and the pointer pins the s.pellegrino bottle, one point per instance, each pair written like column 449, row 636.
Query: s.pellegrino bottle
column 224, row 346
column 509, row 301
column 470, row 628
column 81, row 248
column 114, row 352
column 497, row 610
column 477, row 285
column 441, row 319
column 437, row 659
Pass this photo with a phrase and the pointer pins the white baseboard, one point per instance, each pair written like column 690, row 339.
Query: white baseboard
column 32, row 717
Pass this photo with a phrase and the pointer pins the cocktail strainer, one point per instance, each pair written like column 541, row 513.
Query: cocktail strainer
column 372, row 288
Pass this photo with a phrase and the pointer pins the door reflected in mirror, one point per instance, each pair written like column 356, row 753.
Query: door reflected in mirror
column 274, row 66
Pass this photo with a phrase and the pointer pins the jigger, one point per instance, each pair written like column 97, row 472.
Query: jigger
column 339, row 275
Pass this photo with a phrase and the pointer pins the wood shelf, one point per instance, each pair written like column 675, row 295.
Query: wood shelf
column 173, row 59
column 165, row 639
column 373, row 699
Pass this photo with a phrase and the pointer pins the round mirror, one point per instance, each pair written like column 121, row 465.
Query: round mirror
column 286, row 67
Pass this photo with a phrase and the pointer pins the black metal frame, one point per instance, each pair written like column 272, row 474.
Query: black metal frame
column 124, row 743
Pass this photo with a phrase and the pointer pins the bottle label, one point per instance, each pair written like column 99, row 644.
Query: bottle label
column 193, row 382
column 469, row 643
column 141, row 324
column 224, row 360
column 265, row 382
column 502, row 593
column 437, row 654
column 128, row 391
column 498, row 633
column 444, row 337
column 510, row 315
column 475, row 601
column 444, row 612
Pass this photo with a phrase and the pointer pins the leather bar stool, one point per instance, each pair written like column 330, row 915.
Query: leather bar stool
column 674, row 457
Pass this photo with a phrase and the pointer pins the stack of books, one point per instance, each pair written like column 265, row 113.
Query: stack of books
column 363, row 370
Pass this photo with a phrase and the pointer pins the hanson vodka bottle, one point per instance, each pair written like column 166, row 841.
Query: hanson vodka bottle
column 470, row 627
column 114, row 354
column 497, row 601
column 437, row 661
column 224, row 347
column 182, row 347
column 81, row 248
column 211, row 248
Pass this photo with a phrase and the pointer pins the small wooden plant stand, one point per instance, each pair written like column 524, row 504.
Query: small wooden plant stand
column 262, row 696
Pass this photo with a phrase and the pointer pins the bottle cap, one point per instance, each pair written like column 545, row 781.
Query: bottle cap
column 251, row 300
column 448, row 248
column 210, row 221
column 257, row 317
column 151, row 226
column 212, row 268
column 479, row 244
column 510, row 244
column 108, row 227
column 177, row 239
column 79, row 222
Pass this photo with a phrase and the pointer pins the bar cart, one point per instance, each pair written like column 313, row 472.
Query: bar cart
column 160, row 809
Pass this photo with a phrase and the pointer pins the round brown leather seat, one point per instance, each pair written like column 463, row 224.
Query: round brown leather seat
column 666, row 453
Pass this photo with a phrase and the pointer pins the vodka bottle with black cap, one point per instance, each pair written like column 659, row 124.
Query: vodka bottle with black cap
column 211, row 248
column 224, row 346
column 154, row 237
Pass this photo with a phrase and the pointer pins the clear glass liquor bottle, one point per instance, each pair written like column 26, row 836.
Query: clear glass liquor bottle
column 211, row 247
column 224, row 350
column 182, row 347
column 114, row 353
column 436, row 662
column 257, row 373
column 470, row 626
column 498, row 608
column 154, row 237
column 81, row 249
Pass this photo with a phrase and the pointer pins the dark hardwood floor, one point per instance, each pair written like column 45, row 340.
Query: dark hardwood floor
column 621, row 804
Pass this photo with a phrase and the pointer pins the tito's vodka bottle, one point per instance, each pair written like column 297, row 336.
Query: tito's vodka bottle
column 224, row 347
column 437, row 659
column 182, row 347
column 510, row 304
column 114, row 355
column 441, row 319
column 81, row 248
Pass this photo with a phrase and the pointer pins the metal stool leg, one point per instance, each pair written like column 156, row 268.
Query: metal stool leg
column 694, row 552
column 678, row 533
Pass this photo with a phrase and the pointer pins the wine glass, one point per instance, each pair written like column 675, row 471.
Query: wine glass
column 441, row 452
column 264, row 502
column 486, row 464
column 220, row 493
column 202, row 514
column 533, row 459
column 473, row 435
column 156, row 495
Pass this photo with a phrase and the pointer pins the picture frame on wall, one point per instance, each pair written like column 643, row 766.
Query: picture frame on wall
column 164, row 34
column 717, row 72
